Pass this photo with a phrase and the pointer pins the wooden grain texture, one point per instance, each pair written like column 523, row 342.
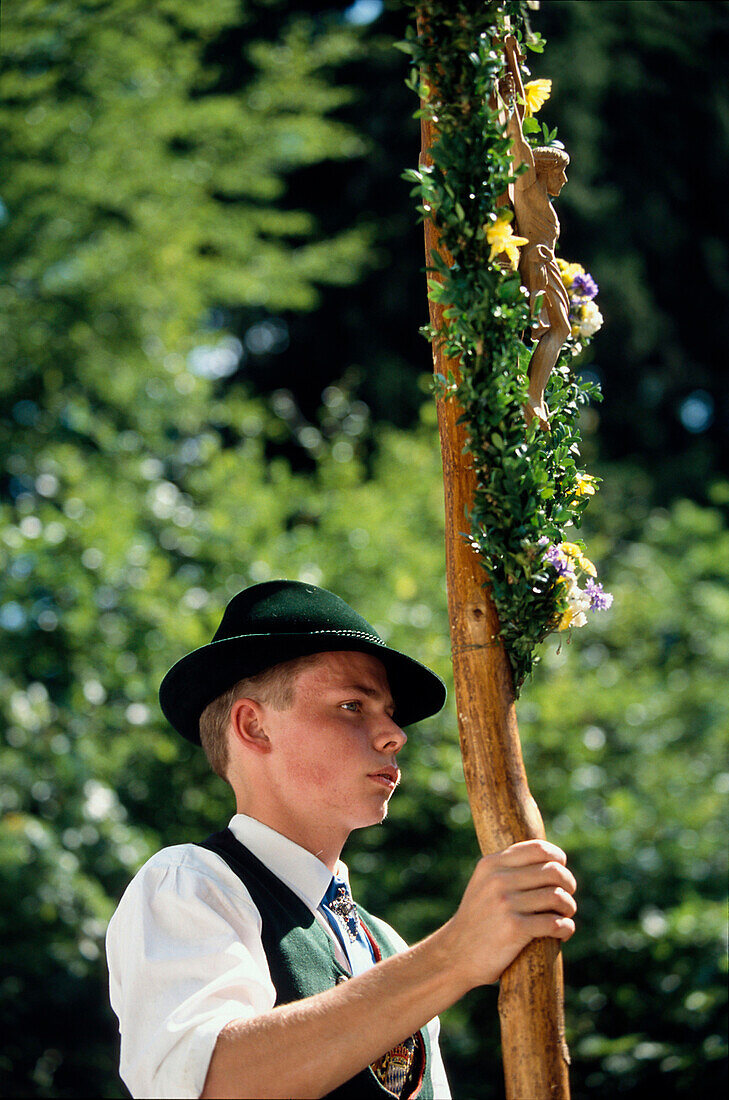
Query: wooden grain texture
column 531, row 1014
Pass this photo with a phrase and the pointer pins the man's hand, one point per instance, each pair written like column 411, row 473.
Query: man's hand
column 514, row 896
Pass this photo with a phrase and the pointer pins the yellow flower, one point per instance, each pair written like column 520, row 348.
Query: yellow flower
column 573, row 616
column 575, row 554
column 566, row 621
column 536, row 94
column 569, row 271
column 585, row 485
column 502, row 238
column 587, row 566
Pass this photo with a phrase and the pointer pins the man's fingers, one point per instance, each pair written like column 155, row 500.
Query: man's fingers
column 531, row 851
column 534, row 875
column 549, row 924
column 549, row 899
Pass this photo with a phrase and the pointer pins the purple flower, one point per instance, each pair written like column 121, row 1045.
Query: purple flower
column 584, row 286
column 559, row 561
column 599, row 599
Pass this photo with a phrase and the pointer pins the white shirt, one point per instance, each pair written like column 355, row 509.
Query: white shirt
column 186, row 958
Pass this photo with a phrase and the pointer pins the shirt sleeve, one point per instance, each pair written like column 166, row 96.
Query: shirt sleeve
column 185, row 958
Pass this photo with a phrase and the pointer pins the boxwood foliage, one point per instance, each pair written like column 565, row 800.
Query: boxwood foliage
column 527, row 490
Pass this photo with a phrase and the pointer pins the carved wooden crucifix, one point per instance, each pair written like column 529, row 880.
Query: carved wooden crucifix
column 544, row 175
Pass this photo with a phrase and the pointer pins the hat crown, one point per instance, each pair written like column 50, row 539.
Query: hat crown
column 290, row 607
column 277, row 621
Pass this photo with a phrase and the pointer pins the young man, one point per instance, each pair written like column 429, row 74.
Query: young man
column 241, row 967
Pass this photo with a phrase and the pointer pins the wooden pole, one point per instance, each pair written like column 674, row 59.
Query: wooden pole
column 531, row 1013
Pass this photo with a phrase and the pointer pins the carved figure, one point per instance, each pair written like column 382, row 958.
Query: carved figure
column 536, row 220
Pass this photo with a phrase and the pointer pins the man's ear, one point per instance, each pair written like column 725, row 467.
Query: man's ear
column 246, row 719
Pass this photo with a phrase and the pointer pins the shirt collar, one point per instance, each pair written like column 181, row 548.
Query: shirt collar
column 298, row 868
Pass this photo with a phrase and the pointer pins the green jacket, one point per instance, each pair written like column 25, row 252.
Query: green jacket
column 302, row 962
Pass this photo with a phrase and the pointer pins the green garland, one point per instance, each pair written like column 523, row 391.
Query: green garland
column 530, row 487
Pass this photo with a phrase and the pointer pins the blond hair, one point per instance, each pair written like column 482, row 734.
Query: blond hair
column 273, row 687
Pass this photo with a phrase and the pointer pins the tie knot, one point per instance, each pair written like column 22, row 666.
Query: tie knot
column 339, row 901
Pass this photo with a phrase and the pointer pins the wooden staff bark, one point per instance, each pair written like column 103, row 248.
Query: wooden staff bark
column 531, row 1013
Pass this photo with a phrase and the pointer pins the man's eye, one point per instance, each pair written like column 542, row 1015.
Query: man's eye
column 352, row 705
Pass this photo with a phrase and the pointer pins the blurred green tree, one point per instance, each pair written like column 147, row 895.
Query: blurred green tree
column 138, row 198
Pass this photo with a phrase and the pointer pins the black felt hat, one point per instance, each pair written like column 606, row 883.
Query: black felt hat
column 273, row 622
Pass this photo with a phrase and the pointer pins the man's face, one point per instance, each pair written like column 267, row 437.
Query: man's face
column 333, row 751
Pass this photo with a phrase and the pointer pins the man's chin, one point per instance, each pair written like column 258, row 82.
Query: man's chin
column 374, row 819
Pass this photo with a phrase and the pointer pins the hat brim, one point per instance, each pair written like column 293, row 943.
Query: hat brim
column 200, row 677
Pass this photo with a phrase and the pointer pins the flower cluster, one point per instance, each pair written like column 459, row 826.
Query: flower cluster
column 581, row 288
column 571, row 565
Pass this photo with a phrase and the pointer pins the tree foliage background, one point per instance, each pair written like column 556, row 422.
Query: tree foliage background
column 212, row 375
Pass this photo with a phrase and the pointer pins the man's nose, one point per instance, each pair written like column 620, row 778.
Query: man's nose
column 389, row 738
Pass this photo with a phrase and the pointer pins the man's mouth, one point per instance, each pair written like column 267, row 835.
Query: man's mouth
column 388, row 777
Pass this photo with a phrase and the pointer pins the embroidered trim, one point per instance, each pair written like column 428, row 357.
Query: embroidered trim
column 350, row 634
column 393, row 1069
column 344, row 633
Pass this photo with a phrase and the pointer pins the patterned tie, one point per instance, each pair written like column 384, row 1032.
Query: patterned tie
column 394, row 1068
column 341, row 913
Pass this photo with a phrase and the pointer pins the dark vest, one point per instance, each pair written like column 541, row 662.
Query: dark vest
column 302, row 962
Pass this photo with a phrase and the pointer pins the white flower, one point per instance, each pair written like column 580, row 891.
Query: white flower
column 578, row 603
column 590, row 320
column 578, row 598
